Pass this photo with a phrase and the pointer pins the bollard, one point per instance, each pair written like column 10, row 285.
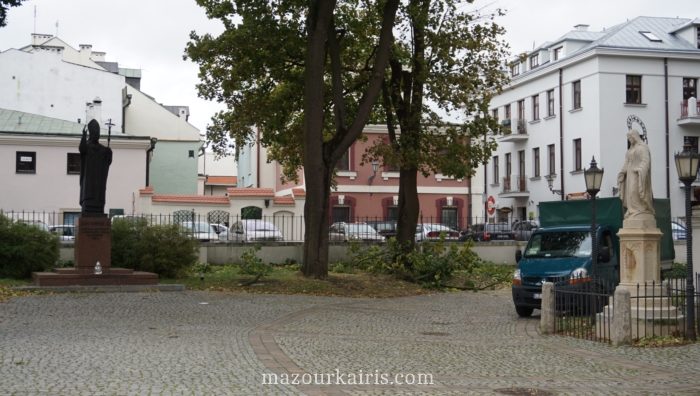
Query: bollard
column 621, row 326
column 547, row 312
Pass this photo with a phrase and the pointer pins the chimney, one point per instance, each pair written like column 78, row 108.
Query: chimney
column 581, row 27
column 38, row 38
column 85, row 51
column 94, row 110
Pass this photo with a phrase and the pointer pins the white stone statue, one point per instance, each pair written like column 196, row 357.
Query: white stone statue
column 634, row 180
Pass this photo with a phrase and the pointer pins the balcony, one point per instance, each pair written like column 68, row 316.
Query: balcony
column 514, row 186
column 690, row 112
column 520, row 134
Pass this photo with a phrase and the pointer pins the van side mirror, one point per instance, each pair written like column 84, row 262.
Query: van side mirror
column 604, row 254
column 518, row 255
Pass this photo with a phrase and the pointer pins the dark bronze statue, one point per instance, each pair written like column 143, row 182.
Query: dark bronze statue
column 94, row 166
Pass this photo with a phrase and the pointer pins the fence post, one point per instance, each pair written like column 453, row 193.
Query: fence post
column 548, row 313
column 621, row 326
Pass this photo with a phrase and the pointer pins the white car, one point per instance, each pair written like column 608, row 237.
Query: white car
column 65, row 232
column 354, row 232
column 200, row 230
column 432, row 232
column 254, row 231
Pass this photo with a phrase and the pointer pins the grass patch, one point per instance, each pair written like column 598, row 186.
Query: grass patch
column 656, row 342
column 484, row 276
column 6, row 286
column 288, row 280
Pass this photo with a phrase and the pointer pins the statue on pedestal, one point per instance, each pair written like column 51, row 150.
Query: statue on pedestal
column 95, row 160
column 634, row 179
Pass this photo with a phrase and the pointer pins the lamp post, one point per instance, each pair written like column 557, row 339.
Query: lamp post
column 594, row 178
column 550, row 184
column 687, row 167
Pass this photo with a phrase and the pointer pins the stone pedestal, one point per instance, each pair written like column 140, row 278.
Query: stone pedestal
column 640, row 258
column 93, row 243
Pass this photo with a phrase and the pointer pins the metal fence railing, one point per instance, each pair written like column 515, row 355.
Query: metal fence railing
column 658, row 309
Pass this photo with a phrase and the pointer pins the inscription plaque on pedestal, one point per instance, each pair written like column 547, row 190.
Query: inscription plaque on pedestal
column 93, row 243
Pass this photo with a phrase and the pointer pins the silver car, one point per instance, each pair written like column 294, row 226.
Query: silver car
column 354, row 232
column 254, row 231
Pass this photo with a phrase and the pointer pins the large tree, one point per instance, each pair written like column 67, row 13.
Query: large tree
column 4, row 6
column 306, row 74
column 445, row 60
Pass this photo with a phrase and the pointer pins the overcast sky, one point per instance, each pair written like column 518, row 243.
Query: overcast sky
column 151, row 34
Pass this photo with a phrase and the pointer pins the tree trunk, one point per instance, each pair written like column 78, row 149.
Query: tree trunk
column 409, row 207
column 316, row 218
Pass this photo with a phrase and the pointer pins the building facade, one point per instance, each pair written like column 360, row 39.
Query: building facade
column 573, row 99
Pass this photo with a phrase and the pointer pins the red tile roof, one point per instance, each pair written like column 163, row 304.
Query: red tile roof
column 148, row 190
column 299, row 192
column 192, row 199
column 221, row 180
column 250, row 192
column 285, row 200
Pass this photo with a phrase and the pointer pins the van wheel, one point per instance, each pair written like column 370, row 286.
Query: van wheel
column 524, row 312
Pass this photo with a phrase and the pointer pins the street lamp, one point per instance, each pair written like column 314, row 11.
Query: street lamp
column 594, row 177
column 550, row 184
column 687, row 167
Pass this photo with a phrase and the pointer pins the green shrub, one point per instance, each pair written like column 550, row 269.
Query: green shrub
column 25, row 249
column 162, row 249
column 253, row 265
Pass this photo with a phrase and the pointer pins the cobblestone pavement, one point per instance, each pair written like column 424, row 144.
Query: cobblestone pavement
column 212, row 343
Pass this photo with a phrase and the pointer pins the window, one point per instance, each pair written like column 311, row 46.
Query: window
column 341, row 213
column 73, row 164
column 690, row 88
column 557, row 53
column 495, row 170
column 344, row 162
column 26, row 162
column 391, row 167
column 392, row 213
column 509, row 167
column 521, row 164
column 521, row 109
column 550, row 103
column 692, row 141
column 536, row 107
column 577, row 155
column 534, row 61
column 515, row 69
column 507, row 111
column 551, row 166
column 190, row 154
column 634, row 89
column 536, row 161
column 449, row 216
column 494, row 114
column 698, row 37
column 650, row 36
column 576, row 89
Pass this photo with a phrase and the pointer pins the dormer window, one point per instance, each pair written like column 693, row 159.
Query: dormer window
column 650, row 36
column 534, row 61
column 698, row 37
column 557, row 53
column 515, row 69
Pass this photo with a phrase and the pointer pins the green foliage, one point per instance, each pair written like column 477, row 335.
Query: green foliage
column 4, row 6
column 676, row 271
column 253, row 265
column 162, row 249
column 251, row 213
column 431, row 264
column 25, row 249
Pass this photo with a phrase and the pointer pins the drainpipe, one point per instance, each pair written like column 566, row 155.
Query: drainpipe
column 561, row 132
column 486, row 182
column 668, row 155
column 257, row 159
column 148, row 160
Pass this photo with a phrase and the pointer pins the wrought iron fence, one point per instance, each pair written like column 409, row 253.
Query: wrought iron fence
column 658, row 309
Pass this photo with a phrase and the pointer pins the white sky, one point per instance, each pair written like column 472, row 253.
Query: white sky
column 151, row 34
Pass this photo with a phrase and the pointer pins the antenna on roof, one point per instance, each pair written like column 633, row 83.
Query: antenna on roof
column 35, row 19
column 56, row 28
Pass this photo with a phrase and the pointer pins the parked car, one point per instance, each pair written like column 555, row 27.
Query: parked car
column 353, row 232
column 222, row 231
column 431, row 231
column 387, row 229
column 494, row 232
column 35, row 223
column 65, row 232
column 254, row 231
column 200, row 230
column 678, row 231
column 522, row 229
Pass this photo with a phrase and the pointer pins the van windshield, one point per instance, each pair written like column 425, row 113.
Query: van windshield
column 559, row 244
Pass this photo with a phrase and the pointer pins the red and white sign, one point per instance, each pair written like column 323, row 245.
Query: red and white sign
column 490, row 205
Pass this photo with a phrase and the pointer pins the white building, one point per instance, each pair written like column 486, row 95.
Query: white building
column 52, row 79
column 570, row 100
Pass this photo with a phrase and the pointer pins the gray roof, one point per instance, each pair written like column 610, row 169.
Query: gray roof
column 21, row 122
column 579, row 35
column 627, row 35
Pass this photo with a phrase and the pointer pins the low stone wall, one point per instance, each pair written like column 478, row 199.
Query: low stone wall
column 279, row 253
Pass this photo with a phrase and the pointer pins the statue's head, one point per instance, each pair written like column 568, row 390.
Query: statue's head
column 94, row 130
column 633, row 137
